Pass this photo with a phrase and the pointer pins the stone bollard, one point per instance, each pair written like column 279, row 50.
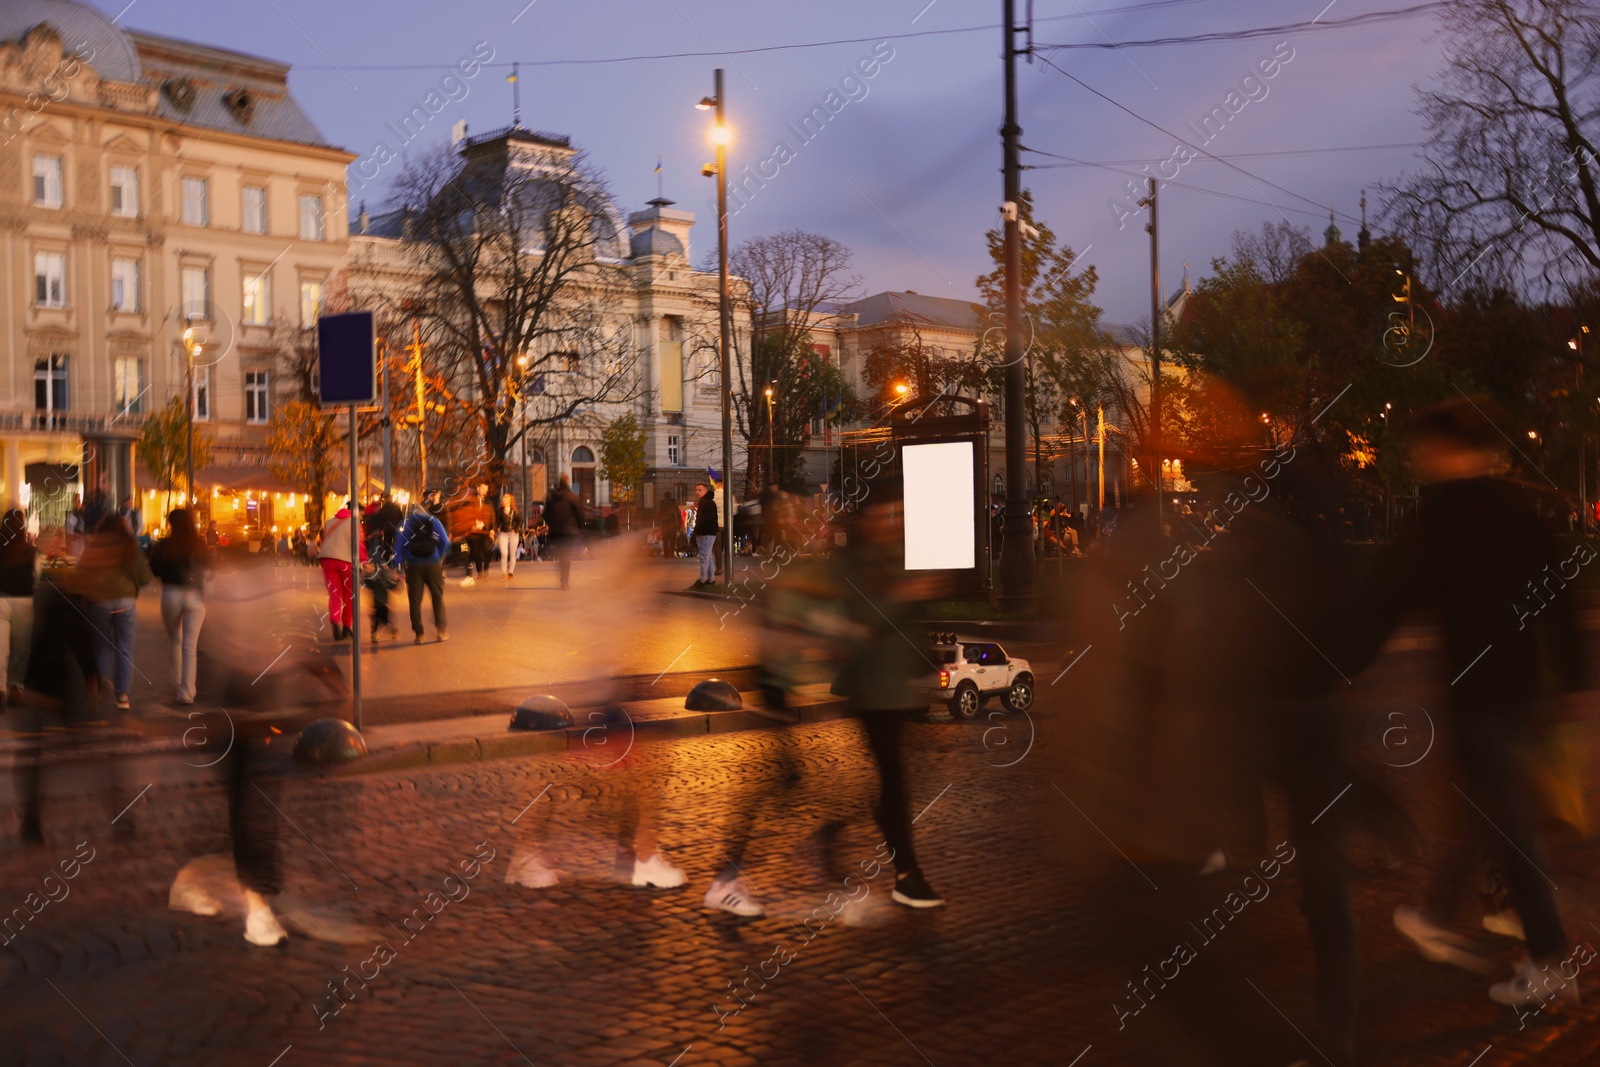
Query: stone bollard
column 541, row 713
column 329, row 741
column 713, row 694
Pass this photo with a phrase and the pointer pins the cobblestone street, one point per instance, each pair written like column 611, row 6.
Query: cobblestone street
column 477, row 971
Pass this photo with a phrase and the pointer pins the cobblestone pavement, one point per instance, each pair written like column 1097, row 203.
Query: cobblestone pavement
column 1014, row 971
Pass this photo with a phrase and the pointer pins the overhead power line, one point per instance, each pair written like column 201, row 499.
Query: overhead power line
column 1277, row 154
column 1201, row 38
column 1314, row 25
column 1253, row 178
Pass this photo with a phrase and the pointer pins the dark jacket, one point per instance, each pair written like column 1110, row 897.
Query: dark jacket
column 563, row 512
column 507, row 520
column 174, row 568
column 17, row 565
column 705, row 516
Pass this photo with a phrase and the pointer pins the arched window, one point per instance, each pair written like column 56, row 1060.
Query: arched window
column 582, row 454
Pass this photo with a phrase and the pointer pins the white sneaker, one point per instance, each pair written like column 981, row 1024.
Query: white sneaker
column 657, row 872
column 1436, row 943
column 529, row 869
column 261, row 927
column 469, row 580
column 733, row 895
column 1532, row 984
column 1505, row 923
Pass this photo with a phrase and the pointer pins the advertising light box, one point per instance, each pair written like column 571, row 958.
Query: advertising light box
column 941, row 520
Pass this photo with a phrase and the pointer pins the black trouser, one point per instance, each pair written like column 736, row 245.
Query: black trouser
column 431, row 577
column 564, row 545
column 253, row 818
column 884, row 732
column 480, row 553
column 1491, row 748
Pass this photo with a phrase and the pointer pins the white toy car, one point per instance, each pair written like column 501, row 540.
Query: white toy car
column 971, row 672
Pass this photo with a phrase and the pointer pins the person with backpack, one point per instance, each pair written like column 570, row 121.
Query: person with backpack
column 420, row 548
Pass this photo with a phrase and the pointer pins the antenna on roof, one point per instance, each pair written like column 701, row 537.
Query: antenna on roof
column 660, row 194
column 516, row 96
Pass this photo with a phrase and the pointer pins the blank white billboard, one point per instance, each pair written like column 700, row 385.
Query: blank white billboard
column 941, row 526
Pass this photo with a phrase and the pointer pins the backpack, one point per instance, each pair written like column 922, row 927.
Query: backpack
column 422, row 537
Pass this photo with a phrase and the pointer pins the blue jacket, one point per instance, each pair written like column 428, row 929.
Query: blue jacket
column 402, row 541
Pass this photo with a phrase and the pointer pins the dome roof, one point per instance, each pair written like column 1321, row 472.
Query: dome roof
column 113, row 53
column 655, row 242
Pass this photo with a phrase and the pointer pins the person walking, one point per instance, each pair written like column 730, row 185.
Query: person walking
column 563, row 513
column 508, row 534
column 705, row 535
column 181, row 560
column 338, row 570
column 420, row 547
column 114, row 570
column 480, row 533
column 1471, row 556
column 383, row 521
column 19, row 570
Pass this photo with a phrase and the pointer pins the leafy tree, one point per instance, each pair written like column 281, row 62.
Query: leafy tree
column 163, row 445
column 622, row 459
column 304, row 444
column 1065, row 355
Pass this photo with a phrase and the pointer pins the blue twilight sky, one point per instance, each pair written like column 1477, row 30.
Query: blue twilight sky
column 906, row 169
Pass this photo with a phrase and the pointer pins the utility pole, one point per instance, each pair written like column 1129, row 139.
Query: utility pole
column 422, row 410
column 388, row 433
column 1016, row 552
column 725, row 324
column 1155, row 356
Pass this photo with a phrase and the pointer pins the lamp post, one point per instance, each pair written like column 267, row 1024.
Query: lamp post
column 192, row 348
column 720, row 136
column 772, row 459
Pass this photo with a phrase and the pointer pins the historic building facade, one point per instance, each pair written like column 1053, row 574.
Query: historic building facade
column 149, row 187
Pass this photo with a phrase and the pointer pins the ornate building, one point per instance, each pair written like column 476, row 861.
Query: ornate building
column 148, row 186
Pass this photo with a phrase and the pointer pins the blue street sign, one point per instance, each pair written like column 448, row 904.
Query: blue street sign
column 347, row 365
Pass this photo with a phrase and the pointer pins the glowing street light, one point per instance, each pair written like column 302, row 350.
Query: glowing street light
column 720, row 137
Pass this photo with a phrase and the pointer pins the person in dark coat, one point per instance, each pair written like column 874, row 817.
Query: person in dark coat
column 1473, row 556
column 563, row 514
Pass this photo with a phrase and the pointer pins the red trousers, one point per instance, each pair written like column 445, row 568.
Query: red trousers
column 336, row 576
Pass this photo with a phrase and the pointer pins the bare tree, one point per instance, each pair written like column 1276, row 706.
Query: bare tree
column 517, row 253
column 790, row 283
column 1508, row 187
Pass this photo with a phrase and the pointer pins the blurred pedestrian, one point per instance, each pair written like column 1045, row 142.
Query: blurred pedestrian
column 564, row 515
column 420, row 547
column 705, row 535
column 382, row 525
column 19, row 570
column 182, row 561
column 114, row 570
column 338, row 569
column 508, row 533
column 1471, row 555
column 883, row 675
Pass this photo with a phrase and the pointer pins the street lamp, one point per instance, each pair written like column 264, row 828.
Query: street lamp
column 772, row 459
column 193, row 347
column 720, row 136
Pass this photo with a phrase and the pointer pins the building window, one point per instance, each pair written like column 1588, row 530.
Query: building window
column 128, row 385
column 50, row 383
column 255, row 209
column 255, row 396
column 196, row 202
column 125, row 191
column 310, row 303
column 202, row 393
column 673, row 451
column 311, row 219
column 50, row 279
column 257, row 291
column 125, row 284
column 197, row 293
column 47, row 183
